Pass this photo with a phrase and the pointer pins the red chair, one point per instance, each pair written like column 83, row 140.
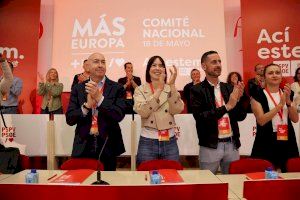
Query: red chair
column 248, row 165
column 293, row 165
column 25, row 162
column 159, row 164
column 82, row 163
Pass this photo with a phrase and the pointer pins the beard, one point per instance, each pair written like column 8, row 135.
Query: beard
column 214, row 73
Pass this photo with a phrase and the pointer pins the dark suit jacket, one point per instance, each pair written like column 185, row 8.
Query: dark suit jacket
column 207, row 114
column 253, row 87
column 187, row 96
column 129, row 102
column 123, row 81
column 111, row 112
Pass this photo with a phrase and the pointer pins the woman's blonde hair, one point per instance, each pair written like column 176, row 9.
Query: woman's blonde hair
column 48, row 75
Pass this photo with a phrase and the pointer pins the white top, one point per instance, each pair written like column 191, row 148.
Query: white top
column 153, row 133
column 276, row 119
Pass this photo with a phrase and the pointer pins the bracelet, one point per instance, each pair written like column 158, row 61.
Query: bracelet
column 85, row 107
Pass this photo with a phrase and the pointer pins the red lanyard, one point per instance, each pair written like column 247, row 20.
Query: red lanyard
column 280, row 113
column 152, row 88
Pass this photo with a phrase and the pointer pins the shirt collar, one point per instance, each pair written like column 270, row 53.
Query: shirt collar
column 217, row 86
column 101, row 83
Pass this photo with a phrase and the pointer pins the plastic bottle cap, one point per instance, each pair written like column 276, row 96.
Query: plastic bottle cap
column 154, row 172
column 33, row 170
column 269, row 169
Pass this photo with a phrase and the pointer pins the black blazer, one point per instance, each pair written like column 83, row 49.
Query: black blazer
column 206, row 114
column 136, row 79
column 129, row 102
column 111, row 112
column 187, row 96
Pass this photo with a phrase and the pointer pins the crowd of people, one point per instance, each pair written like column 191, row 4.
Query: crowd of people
column 97, row 105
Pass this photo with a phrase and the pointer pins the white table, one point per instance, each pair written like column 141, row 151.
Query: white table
column 119, row 177
column 4, row 176
column 236, row 184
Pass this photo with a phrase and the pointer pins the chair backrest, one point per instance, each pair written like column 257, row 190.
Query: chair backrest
column 293, row 165
column 82, row 163
column 159, row 164
column 248, row 165
column 25, row 162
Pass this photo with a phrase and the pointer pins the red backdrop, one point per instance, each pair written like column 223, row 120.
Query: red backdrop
column 270, row 33
column 19, row 34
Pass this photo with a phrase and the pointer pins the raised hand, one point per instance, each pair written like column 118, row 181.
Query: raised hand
column 90, row 101
column 233, row 98
column 41, row 77
column 282, row 100
column 161, row 81
column 91, row 88
column 241, row 87
column 173, row 75
column 128, row 82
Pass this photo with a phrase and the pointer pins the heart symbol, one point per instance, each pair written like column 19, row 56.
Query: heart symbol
column 11, row 139
column 120, row 61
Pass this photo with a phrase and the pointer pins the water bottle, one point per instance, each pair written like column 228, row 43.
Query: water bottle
column 270, row 174
column 155, row 177
column 274, row 175
column 32, row 176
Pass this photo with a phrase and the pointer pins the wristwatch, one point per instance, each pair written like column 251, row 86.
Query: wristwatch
column 85, row 107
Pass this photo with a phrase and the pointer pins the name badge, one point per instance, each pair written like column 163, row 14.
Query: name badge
column 128, row 95
column 163, row 135
column 94, row 127
column 4, row 97
column 223, row 126
column 282, row 132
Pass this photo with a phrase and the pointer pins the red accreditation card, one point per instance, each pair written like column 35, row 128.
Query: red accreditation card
column 170, row 176
column 128, row 95
column 282, row 132
column 94, row 127
column 223, row 126
column 163, row 135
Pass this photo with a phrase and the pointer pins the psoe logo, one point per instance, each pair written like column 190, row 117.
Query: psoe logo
column 288, row 67
column 11, row 53
column 8, row 133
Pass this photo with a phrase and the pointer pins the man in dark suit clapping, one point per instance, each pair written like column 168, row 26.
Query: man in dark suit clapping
column 97, row 106
column 129, row 82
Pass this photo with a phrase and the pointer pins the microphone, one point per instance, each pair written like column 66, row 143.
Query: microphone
column 2, row 117
column 99, row 181
column 131, row 109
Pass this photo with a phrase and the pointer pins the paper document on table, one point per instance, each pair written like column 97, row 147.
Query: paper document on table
column 73, row 176
column 170, row 176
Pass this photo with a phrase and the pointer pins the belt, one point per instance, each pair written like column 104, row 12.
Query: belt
column 9, row 107
column 228, row 139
